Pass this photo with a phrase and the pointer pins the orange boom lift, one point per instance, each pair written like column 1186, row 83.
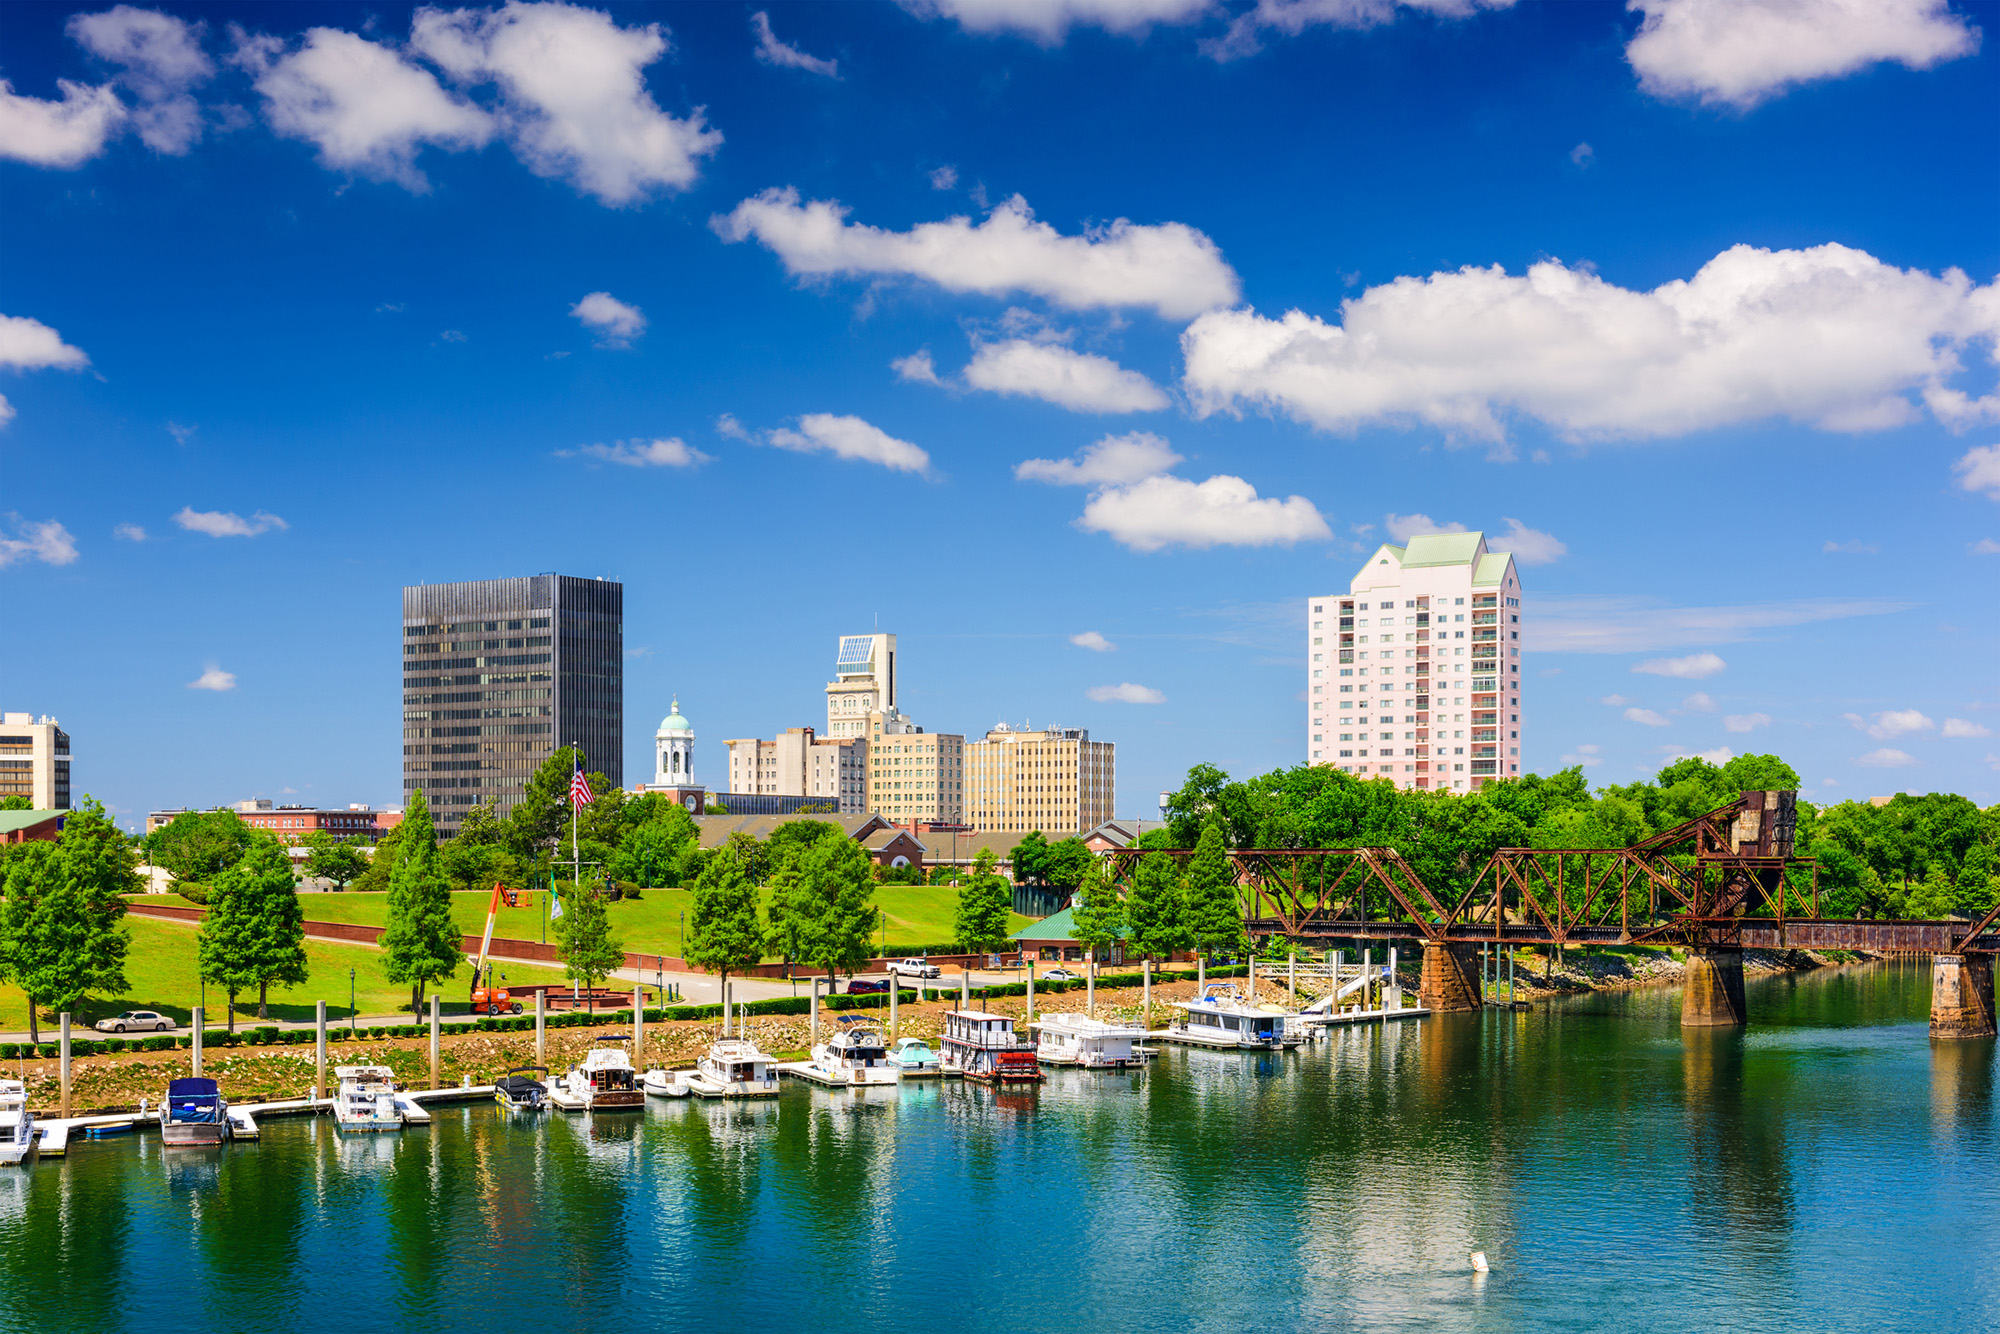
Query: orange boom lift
column 487, row 999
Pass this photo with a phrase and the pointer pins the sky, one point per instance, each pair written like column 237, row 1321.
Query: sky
column 1077, row 342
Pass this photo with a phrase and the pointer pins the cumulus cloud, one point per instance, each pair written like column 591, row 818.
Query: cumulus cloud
column 1126, row 693
column 615, row 323
column 672, row 452
column 29, row 345
column 1830, row 336
column 1222, row 511
column 1964, row 727
column 1891, row 724
column 1093, row 641
column 1616, row 701
column 1079, row 381
column 1292, row 17
column 1719, row 755
column 1695, row 667
column 1116, row 460
column 917, row 367
column 1586, row 756
column 1699, row 702
column 1745, row 722
column 1978, row 471
column 1851, row 547
column 1049, row 21
column 1985, row 546
column 848, row 438
column 27, row 539
column 1582, row 156
column 67, row 133
column 944, row 178
column 1886, row 758
column 1530, row 546
column 129, row 532
column 1594, row 624
column 1646, row 716
column 213, row 678
column 221, row 523
column 1402, row 527
column 783, row 54
column 1740, row 52
column 573, row 99
column 1169, row 267
column 162, row 62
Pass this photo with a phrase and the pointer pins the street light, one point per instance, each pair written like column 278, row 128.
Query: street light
column 352, row 1013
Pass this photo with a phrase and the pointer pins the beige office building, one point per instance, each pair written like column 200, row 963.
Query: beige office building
column 1056, row 780
column 34, row 761
column 864, row 683
column 799, row 763
column 914, row 774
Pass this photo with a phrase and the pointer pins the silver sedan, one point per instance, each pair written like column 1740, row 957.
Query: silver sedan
column 135, row 1021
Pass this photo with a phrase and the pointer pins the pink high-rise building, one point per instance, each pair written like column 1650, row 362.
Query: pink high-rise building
column 1414, row 674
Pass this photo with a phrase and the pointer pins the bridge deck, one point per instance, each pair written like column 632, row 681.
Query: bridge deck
column 1765, row 933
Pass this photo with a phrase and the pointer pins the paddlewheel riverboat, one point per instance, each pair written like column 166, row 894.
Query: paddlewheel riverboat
column 984, row 1047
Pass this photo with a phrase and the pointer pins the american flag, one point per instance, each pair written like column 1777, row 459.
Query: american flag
column 580, row 794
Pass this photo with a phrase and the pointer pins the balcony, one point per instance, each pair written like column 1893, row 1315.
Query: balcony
column 1484, row 734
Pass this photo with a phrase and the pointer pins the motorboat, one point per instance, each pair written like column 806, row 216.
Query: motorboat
column 194, row 1115
column 1222, row 1016
column 913, row 1058
column 666, row 1083
column 1092, row 1044
column 17, row 1124
column 366, row 1099
column 604, row 1082
column 734, row 1068
column 855, row 1055
column 983, row 1046
column 521, row 1090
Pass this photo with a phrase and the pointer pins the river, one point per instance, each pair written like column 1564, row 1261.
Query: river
column 1827, row 1169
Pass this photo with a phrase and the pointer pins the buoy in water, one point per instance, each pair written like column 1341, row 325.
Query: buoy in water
column 1479, row 1262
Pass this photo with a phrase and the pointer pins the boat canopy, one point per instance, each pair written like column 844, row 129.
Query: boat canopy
column 191, row 1087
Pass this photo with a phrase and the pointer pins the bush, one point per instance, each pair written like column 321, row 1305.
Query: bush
column 261, row 1036
column 193, row 893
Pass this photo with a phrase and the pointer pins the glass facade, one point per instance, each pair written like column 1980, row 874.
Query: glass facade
column 499, row 673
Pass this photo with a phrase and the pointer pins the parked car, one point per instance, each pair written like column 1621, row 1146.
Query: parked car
column 866, row 986
column 913, row 968
column 1061, row 975
column 135, row 1021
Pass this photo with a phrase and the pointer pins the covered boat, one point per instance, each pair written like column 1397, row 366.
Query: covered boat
column 855, row 1055
column 1223, row 1017
column 1093, row 1044
column 983, row 1046
column 17, row 1124
column 194, row 1114
column 913, row 1057
column 522, row 1089
column 605, row 1081
column 734, row 1068
column 666, row 1083
column 366, row 1099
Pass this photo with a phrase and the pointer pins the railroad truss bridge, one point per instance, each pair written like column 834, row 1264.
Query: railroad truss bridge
column 1718, row 884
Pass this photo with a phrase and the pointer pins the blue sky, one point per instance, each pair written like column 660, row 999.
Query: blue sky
column 763, row 316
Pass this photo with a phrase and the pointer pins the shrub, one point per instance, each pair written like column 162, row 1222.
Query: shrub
column 193, row 893
column 262, row 1036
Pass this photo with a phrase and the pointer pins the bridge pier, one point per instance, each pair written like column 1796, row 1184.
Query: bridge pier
column 1712, row 996
column 1962, row 996
column 1450, row 979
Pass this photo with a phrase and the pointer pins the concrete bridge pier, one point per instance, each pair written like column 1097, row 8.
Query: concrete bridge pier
column 1712, row 996
column 1450, row 980
column 1962, row 996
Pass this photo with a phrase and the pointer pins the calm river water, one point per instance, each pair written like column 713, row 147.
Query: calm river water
column 1828, row 1169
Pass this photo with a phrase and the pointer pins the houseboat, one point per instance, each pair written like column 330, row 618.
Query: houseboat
column 984, row 1047
column 366, row 1099
column 1223, row 1017
column 194, row 1115
column 523, row 1089
column 605, row 1082
column 734, row 1068
column 914, row 1059
column 855, row 1055
column 17, row 1124
column 1093, row 1044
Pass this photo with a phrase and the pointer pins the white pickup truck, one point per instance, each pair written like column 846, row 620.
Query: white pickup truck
column 913, row 968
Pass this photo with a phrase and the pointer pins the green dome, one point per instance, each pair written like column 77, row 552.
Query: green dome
column 673, row 722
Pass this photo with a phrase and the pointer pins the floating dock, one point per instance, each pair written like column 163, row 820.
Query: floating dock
column 53, row 1135
column 812, row 1074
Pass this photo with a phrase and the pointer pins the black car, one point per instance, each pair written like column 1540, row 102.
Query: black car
column 862, row 986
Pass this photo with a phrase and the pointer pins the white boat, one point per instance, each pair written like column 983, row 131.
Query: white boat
column 855, row 1056
column 914, row 1058
column 983, row 1046
column 666, row 1083
column 366, row 1098
column 734, row 1068
column 1093, row 1044
column 520, row 1091
column 195, row 1114
column 604, row 1082
column 17, row 1124
column 1223, row 1017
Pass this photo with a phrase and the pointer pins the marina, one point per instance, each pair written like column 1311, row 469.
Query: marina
column 984, row 1047
column 1092, row 1044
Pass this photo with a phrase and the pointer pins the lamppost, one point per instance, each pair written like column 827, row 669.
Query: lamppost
column 352, row 1013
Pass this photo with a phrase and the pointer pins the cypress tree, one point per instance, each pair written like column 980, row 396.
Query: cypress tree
column 226, row 949
column 421, row 943
column 724, row 932
column 1099, row 915
column 1157, row 907
column 277, row 925
column 590, row 952
column 1213, row 917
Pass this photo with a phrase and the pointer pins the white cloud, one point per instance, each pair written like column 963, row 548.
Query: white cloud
column 1719, row 755
column 918, row 367
column 1593, row 624
column 1851, row 547
column 1891, row 724
column 162, row 62
column 452, row 336
column 1699, row 702
column 1093, row 641
column 1694, row 667
column 1402, row 527
column 1222, row 511
column 1985, row 546
column 1964, row 727
column 1646, row 716
column 672, row 452
column 573, row 94
column 1830, row 336
column 366, row 108
column 1740, row 52
column 1126, row 693
column 181, row 434
column 213, row 678
column 616, row 323
column 1292, row 17
column 848, row 438
column 1049, row 21
column 1582, row 156
column 1886, row 758
column 221, row 523
column 1116, row 460
column 783, row 54
column 1978, row 470
column 1530, row 546
column 29, row 345
column 46, row 541
column 1586, row 756
column 944, row 178
column 58, row 134
column 1169, row 267
column 1745, row 722
column 129, row 532
column 1079, row 381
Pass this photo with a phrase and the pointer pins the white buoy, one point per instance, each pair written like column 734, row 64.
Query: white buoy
column 1479, row 1262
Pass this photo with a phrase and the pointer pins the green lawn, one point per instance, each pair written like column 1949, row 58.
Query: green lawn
column 161, row 970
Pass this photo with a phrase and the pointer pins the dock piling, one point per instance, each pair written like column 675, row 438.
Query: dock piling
column 65, row 1064
column 319, row 1065
column 434, row 1039
column 895, row 995
column 1200, row 973
column 195, row 1028
column 1292, row 976
column 1395, row 1000
column 1253, row 977
column 541, row 1027
column 812, row 1015
column 638, row 1026
column 1146, row 991
column 1090, row 987
column 1031, row 991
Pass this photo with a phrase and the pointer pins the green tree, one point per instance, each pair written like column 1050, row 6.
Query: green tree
column 1068, row 864
column 330, row 857
column 1029, row 859
column 794, row 910
column 842, row 877
column 542, row 819
column 590, row 951
column 725, row 934
column 479, row 866
column 381, row 863
column 1213, row 918
column 198, row 845
column 60, row 934
column 1157, row 908
column 1975, row 891
column 985, row 907
column 1934, row 898
column 1099, row 915
column 254, row 931
column 421, row 944
column 16, row 803
column 481, row 825
column 655, row 854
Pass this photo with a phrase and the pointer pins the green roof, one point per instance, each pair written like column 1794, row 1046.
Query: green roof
column 11, row 821
column 1058, row 928
column 1433, row 549
column 1492, row 568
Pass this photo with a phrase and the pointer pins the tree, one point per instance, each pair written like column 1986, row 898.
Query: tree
column 421, row 943
column 542, row 819
column 381, row 862
column 1933, row 899
column 725, row 934
column 1157, row 908
column 1099, row 916
column 60, row 936
column 654, row 855
column 1213, row 918
column 794, row 910
column 1068, row 864
column 199, row 845
column 16, row 803
column 842, row 878
column 985, row 907
column 330, row 857
column 590, row 952
column 1976, row 890
column 1029, row 859
column 476, row 866
column 254, row 933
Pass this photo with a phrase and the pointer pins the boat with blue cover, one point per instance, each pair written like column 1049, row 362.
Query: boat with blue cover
column 194, row 1115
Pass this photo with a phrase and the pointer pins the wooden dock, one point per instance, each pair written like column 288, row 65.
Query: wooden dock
column 812, row 1074
column 53, row 1135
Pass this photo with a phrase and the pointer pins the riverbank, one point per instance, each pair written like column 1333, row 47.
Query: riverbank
column 1542, row 977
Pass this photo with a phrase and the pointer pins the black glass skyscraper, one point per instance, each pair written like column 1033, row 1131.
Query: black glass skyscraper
column 498, row 673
